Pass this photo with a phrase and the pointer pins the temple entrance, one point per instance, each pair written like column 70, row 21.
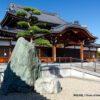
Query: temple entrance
column 46, row 52
column 4, row 54
column 68, row 52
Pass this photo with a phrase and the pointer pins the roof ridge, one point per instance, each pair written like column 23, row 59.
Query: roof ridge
column 21, row 7
column 62, row 25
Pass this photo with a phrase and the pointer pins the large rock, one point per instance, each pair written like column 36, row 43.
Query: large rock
column 47, row 85
column 22, row 69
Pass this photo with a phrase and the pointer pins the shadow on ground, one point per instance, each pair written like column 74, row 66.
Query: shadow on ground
column 14, row 88
column 55, row 71
column 23, row 96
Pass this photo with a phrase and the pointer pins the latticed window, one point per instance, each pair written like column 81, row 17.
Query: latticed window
column 93, row 54
column 46, row 52
column 37, row 51
column 86, row 54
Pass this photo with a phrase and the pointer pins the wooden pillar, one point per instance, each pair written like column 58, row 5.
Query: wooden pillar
column 10, row 49
column 64, row 51
column 81, row 51
column 9, row 52
column 74, row 52
column 96, row 53
column 89, row 53
column 54, row 52
column 39, row 52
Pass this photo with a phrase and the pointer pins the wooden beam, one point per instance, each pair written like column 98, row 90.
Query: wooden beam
column 10, row 49
column 89, row 53
column 54, row 52
column 81, row 51
column 64, row 51
column 96, row 53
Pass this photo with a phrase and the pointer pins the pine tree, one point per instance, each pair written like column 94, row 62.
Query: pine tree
column 32, row 26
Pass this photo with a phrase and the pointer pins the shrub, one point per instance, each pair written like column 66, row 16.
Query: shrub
column 21, row 13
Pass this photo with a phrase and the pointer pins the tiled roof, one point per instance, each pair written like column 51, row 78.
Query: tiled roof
column 3, row 37
column 60, row 28
column 15, row 31
column 93, row 45
column 12, row 30
column 44, row 16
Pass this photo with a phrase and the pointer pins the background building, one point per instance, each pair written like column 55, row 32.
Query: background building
column 68, row 39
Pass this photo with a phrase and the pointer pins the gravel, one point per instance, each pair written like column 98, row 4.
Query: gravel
column 76, row 89
column 72, row 89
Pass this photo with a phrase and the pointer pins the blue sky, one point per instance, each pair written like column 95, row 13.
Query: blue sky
column 87, row 12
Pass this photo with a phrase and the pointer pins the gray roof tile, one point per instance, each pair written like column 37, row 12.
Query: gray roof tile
column 93, row 45
column 60, row 28
column 45, row 16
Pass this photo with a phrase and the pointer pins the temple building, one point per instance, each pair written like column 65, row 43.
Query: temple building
column 68, row 39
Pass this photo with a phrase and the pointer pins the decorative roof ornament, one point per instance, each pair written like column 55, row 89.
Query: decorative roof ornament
column 76, row 22
column 85, row 26
column 11, row 6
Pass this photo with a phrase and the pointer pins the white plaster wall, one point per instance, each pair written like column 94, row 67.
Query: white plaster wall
column 13, row 42
column 4, row 43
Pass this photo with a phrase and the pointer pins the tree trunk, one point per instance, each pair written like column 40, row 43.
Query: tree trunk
column 31, row 40
column 29, row 24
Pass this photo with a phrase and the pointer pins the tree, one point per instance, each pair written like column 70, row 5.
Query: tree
column 32, row 26
column 98, row 54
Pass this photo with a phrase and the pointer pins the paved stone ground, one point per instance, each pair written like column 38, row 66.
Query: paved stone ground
column 88, row 90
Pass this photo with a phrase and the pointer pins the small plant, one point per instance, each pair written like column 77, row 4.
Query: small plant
column 21, row 13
